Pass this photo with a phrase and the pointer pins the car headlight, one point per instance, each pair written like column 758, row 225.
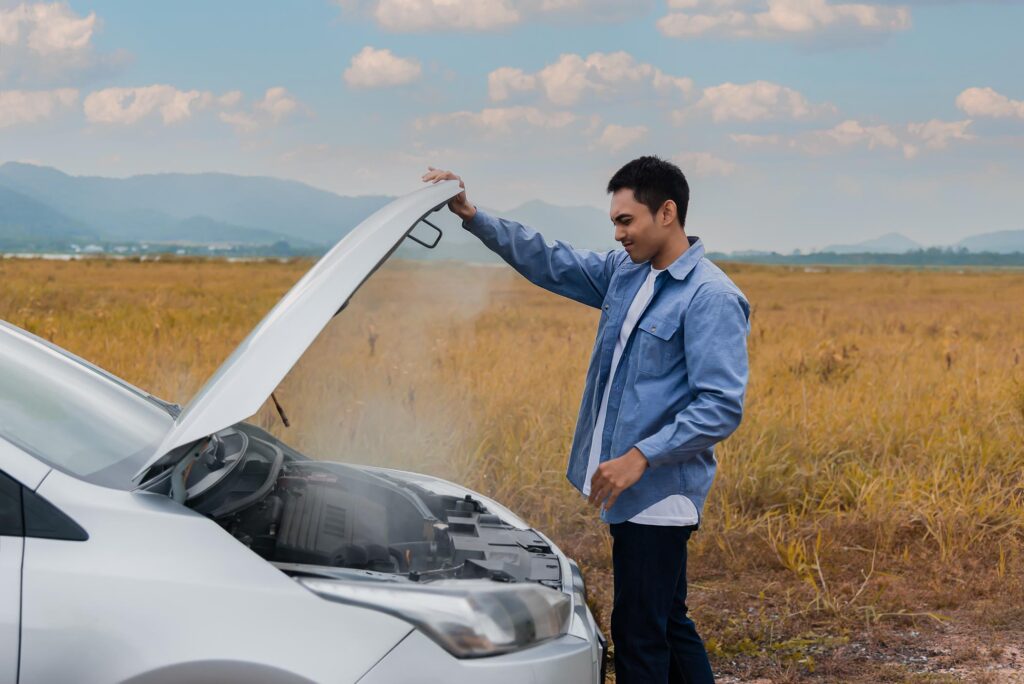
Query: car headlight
column 468, row 618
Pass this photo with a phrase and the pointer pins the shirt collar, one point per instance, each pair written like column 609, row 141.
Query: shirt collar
column 681, row 267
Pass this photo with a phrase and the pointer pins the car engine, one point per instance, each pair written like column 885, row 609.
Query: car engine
column 306, row 516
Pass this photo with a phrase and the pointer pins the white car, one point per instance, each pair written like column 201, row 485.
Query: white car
column 140, row 542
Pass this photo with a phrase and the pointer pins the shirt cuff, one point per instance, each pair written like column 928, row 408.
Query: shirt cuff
column 651, row 450
column 475, row 223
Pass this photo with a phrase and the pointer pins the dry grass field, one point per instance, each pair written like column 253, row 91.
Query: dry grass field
column 867, row 523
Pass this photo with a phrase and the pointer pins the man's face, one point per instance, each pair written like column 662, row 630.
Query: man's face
column 635, row 227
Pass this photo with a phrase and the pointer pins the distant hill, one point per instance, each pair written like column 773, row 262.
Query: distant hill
column 23, row 221
column 205, row 230
column 1001, row 242
column 211, row 208
column 152, row 207
column 890, row 243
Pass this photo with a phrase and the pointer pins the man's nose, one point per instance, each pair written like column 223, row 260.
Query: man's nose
column 620, row 233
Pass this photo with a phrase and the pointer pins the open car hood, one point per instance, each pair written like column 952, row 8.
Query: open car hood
column 245, row 380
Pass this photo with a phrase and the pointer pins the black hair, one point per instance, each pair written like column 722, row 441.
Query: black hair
column 653, row 181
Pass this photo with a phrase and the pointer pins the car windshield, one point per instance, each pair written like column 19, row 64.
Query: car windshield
column 72, row 416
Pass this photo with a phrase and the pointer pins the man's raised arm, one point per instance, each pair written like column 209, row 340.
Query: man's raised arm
column 578, row 274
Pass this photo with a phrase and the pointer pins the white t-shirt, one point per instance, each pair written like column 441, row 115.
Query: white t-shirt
column 672, row 510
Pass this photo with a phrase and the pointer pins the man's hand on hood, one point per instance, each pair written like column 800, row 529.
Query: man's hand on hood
column 460, row 204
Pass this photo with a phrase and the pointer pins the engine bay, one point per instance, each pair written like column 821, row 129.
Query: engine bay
column 308, row 517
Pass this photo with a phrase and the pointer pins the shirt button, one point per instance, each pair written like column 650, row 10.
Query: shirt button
column 605, row 307
column 653, row 328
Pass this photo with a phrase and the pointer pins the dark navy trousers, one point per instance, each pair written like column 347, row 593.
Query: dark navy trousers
column 655, row 641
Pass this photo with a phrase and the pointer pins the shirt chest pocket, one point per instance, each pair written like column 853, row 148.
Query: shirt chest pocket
column 659, row 345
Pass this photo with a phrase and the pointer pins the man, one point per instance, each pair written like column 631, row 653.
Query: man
column 666, row 382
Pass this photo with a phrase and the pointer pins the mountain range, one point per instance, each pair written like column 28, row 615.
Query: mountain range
column 890, row 243
column 999, row 242
column 42, row 208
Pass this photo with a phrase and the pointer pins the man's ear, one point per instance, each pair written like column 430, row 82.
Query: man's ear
column 668, row 212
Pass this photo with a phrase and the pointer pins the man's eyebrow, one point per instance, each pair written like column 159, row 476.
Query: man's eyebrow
column 621, row 216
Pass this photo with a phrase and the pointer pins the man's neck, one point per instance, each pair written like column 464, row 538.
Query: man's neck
column 672, row 250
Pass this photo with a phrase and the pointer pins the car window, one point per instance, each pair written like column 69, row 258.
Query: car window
column 72, row 418
column 10, row 507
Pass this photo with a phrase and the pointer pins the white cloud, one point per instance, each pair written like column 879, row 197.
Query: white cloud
column 571, row 77
column 127, row 106
column 277, row 103
column 934, row 134
column 989, row 103
column 777, row 18
column 681, row 25
column 500, row 120
column 10, row 25
column 42, row 42
column 504, row 81
column 847, row 135
column 30, row 106
column 373, row 68
column 487, row 15
column 46, row 28
column 130, row 105
column 425, row 15
column 703, row 164
column 750, row 140
column 851, row 132
column 240, row 121
column 230, row 98
column 616, row 138
column 760, row 100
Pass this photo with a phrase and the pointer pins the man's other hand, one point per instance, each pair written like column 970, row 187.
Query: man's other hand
column 616, row 476
column 459, row 204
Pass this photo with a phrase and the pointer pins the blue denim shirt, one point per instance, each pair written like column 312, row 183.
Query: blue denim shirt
column 681, row 380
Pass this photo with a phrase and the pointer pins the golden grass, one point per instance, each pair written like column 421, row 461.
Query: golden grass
column 876, row 479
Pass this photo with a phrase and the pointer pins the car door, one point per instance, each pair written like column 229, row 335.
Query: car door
column 12, row 545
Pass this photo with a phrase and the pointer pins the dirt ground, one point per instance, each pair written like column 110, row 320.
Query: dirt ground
column 946, row 655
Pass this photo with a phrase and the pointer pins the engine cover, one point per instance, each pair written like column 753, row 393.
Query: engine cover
column 327, row 524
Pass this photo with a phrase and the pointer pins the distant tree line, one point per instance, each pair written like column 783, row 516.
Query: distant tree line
column 101, row 248
column 931, row 256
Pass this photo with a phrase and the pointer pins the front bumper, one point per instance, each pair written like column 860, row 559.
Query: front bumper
column 577, row 657
column 566, row 660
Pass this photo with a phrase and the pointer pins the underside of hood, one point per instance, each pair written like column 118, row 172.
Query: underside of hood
column 246, row 379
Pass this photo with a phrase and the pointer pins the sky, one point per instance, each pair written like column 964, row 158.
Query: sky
column 798, row 123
